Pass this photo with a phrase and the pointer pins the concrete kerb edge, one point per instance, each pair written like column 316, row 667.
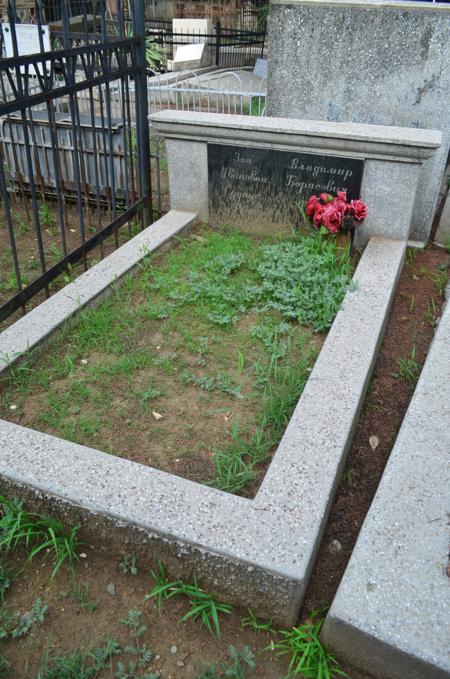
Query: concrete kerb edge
column 239, row 566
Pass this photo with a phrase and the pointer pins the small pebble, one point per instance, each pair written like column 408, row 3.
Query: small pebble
column 173, row 649
column 84, row 361
column 374, row 442
column 111, row 589
column 13, row 407
column 180, row 663
column 335, row 546
column 157, row 657
column 83, row 555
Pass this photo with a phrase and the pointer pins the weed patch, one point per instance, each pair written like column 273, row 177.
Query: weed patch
column 223, row 323
column 202, row 605
column 38, row 534
column 309, row 658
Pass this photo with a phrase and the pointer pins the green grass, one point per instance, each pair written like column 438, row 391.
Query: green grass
column 79, row 594
column 255, row 624
column 37, row 534
column 308, row 657
column 79, row 664
column 408, row 368
column 235, row 316
column 202, row 605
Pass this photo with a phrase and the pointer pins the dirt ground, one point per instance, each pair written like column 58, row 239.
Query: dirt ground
column 67, row 626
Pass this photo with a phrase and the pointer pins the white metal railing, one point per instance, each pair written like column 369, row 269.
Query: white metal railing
column 212, row 93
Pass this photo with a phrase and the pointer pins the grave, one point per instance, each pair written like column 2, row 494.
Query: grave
column 191, row 57
column 285, row 161
column 233, row 544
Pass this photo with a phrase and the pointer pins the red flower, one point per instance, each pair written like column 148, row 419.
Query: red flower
column 340, row 205
column 342, row 196
column 332, row 218
column 358, row 209
column 326, row 198
column 311, row 205
column 318, row 215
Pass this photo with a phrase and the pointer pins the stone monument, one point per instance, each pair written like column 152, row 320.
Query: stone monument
column 382, row 63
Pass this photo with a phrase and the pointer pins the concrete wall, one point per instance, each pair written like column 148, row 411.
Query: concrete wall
column 384, row 63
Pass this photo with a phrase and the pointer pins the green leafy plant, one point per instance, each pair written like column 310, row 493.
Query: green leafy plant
column 430, row 316
column 440, row 280
column 130, row 671
column 408, row 368
column 6, row 577
column 39, row 534
column 154, row 54
column 202, row 604
column 24, row 227
column 411, row 254
column 219, row 382
column 79, row 664
column 137, row 629
column 235, row 669
column 255, row 624
column 4, row 666
column 128, row 565
column 45, row 214
column 17, row 625
column 309, row 658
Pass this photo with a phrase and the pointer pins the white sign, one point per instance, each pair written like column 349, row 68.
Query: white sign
column 27, row 42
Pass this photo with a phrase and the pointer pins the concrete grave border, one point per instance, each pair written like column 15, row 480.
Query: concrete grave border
column 256, row 552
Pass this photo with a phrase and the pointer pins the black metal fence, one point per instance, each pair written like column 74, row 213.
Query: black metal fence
column 229, row 47
column 71, row 173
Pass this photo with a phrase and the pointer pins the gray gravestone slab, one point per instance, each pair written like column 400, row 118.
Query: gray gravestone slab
column 381, row 63
column 257, row 188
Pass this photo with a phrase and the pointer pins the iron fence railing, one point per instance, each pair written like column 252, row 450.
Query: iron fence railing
column 72, row 171
column 229, row 47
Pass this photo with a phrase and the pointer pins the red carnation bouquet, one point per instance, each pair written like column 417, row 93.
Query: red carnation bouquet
column 335, row 213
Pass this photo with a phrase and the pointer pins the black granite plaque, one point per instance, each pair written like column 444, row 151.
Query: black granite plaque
column 257, row 188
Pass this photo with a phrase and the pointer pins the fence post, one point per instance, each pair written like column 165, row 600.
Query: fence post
column 142, row 125
column 217, row 42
